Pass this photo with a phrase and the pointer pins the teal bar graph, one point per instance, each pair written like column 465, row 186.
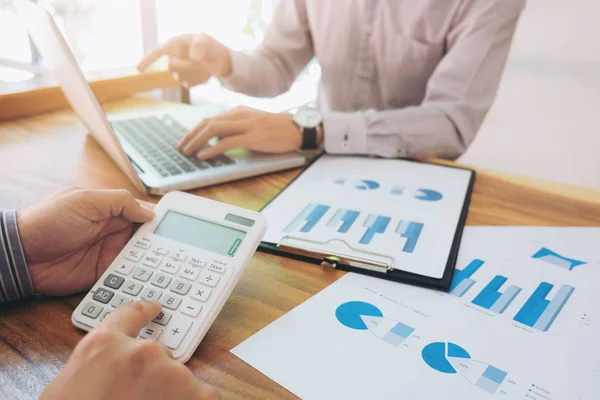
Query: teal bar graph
column 411, row 231
column 540, row 313
column 308, row 218
column 347, row 217
column 375, row 224
column 462, row 282
column 492, row 299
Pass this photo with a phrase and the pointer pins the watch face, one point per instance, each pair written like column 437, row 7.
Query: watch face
column 308, row 118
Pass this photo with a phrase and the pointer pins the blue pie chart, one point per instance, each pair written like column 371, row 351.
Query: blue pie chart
column 348, row 314
column 366, row 184
column 437, row 356
column 428, row 195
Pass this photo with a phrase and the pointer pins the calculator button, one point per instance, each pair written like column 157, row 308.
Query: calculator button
column 151, row 294
column 113, row 281
column 143, row 243
column 132, row 288
column 118, row 300
column 176, row 331
column 142, row 274
column 161, row 250
column 197, row 261
column 163, row 318
column 200, row 293
column 190, row 272
column 191, row 307
column 180, row 287
column 134, row 254
column 103, row 295
column 91, row 310
column 124, row 267
column 152, row 260
column 217, row 268
column 106, row 314
column 179, row 255
column 151, row 331
column 160, row 280
column 171, row 302
column 209, row 279
column 171, row 267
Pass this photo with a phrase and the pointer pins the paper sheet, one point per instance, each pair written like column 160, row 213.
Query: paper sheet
column 522, row 322
column 406, row 210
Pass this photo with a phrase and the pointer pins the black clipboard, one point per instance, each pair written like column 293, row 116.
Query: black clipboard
column 366, row 267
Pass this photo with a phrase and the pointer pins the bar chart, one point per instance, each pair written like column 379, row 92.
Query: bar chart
column 492, row 299
column 375, row 224
column 345, row 217
column 462, row 282
column 411, row 231
column 308, row 218
column 551, row 257
column 540, row 313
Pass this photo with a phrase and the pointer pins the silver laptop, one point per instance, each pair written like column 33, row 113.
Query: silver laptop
column 144, row 145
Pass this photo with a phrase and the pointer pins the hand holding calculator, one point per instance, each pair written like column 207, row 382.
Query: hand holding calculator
column 189, row 257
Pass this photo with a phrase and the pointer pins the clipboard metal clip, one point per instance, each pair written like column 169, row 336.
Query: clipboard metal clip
column 332, row 258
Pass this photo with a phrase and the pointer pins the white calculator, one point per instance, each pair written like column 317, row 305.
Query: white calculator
column 189, row 257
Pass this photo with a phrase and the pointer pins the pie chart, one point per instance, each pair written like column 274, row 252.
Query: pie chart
column 428, row 195
column 349, row 314
column 366, row 184
column 440, row 356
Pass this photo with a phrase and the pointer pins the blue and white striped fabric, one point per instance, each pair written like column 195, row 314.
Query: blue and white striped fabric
column 15, row 282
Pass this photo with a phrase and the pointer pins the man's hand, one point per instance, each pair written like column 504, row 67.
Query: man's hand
column 193, row 59
column 243, row 128
column 71, row 238
column 109, row 364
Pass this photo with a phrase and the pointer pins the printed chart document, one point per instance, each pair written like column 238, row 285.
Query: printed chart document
column 398, row 212
column 522, row 322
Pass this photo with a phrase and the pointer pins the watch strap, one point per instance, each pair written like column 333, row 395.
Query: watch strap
column 309, row 138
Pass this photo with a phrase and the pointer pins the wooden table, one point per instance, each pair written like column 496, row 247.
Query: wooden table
column 43, row 154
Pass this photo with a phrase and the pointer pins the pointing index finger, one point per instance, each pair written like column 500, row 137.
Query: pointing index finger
column 130, row 318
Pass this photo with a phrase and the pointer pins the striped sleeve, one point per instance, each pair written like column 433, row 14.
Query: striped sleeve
column 15, row 282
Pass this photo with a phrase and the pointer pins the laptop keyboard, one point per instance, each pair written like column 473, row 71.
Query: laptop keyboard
column 155, row 138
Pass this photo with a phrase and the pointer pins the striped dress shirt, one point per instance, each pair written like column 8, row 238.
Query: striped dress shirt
column 15, row 282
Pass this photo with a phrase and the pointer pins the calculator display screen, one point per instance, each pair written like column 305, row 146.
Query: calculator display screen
column 200, row 233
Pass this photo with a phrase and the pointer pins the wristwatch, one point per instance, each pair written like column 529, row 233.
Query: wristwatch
column 308, row 121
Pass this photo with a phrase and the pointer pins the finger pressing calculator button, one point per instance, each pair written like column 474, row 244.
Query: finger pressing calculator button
column 91, row 310
column 103, row 295
column 134, row 254
column 198, row 262
column 179, row 255
column 132, row 288
column 152, row 260
column 151, row 331
column 180, row 287
column 190, row 272
column 161, row 250
column 171, row 267
column 176, row 331
column 210, row 279
column 200, row 293
column 124, row 267
column 143, row 243
column 163, row 317
column 151, row 294
column 160, row 280
column 191, row 307
column 217, row 268
column 105, row 314
column 142, row 274
column 171, row 302
column 113, row 281
column 118, row 300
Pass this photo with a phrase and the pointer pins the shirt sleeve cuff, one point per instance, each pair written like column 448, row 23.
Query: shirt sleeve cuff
column 15, row 281
column 345, row 133
column 240, row 75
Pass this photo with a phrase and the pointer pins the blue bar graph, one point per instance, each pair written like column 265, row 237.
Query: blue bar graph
column 348, row 217
column 549, row 256
column 375, row 224
column 492, row 299
column 540, row 313
column 462, row 282
column 310, row 216
column 411, row 231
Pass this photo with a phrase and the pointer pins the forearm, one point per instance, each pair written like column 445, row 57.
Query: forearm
column 15, row 282
column 423, row 131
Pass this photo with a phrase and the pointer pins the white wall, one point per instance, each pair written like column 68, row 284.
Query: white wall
column 545, row 122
